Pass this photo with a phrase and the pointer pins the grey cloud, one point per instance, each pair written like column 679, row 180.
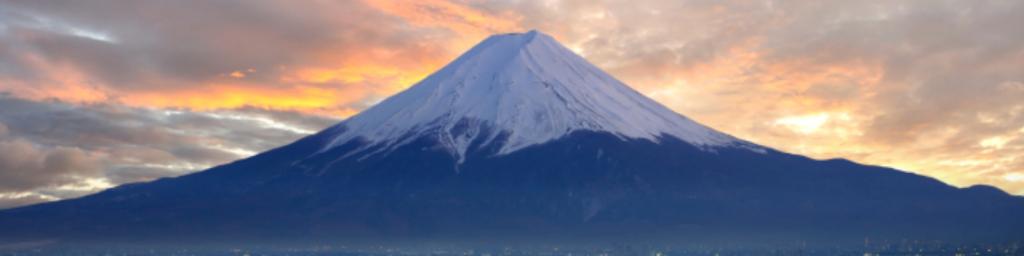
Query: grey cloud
column 129, row 174
column 306, row 122
column 21, row 200
column 49, row 144
column 24, row 166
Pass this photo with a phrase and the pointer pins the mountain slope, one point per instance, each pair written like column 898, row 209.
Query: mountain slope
column 520, row 139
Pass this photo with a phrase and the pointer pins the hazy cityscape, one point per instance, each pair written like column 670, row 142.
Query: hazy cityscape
column 904, row 248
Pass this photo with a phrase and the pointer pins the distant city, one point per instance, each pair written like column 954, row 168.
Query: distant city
column 884, row 248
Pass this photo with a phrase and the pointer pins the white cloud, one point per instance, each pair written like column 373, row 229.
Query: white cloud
column 1014, row 177
column 805, row 124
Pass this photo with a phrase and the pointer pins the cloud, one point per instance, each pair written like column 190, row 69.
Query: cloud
column 324, row 56
column 24, row 166
column 9, row 200
column 54, row 149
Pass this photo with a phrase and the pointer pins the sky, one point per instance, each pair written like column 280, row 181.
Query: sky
column 98, row 93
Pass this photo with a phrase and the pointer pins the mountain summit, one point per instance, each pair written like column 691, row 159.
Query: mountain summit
column 526, row 87
column 521, row 140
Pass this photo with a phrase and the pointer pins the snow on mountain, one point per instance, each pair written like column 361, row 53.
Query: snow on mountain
column 526, row 85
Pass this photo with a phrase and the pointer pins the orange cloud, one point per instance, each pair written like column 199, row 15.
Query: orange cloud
column 316, row 90
column 61, row 82
column 467, row 22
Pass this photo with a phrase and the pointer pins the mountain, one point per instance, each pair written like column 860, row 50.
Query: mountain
column 520, row 139
column 528, row 89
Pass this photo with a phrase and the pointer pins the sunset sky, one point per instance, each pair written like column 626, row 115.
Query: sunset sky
column 99, row 93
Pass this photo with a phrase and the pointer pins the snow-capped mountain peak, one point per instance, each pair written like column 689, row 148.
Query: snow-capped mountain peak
column 527, row 86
